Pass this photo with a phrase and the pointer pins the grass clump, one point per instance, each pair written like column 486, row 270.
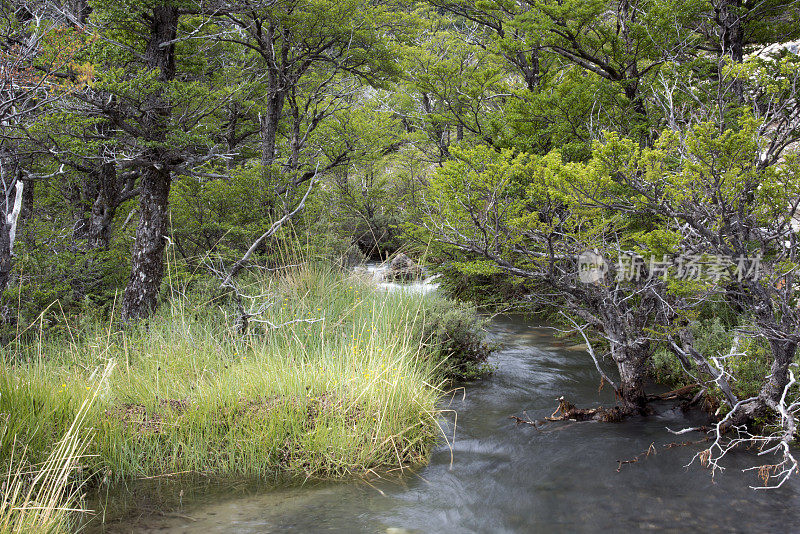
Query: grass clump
column 41, row 497
column 348, row 383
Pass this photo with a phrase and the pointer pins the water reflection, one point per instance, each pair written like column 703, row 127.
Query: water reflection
column 507, row 478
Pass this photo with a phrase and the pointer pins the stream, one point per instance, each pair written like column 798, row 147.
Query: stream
column 501, row 477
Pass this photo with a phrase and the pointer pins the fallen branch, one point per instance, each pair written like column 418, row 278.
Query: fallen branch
column 520, row 421
column 675, row 393
column 652, row 450
column 590, row 349
column 566, row 411
column 226, row 283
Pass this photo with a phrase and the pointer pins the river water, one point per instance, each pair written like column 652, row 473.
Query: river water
column 497, row 476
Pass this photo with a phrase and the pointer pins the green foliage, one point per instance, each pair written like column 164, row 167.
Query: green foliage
column 363, row 210
column 222, row 215
column 477, row 282
column 456, row 334
column 714, row 338
column 77, row 282
column 558, row 115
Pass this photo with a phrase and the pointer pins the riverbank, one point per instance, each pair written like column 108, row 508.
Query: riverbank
column 498, row 476
column 335, row 377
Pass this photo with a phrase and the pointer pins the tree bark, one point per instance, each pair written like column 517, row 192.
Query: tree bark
column 630, row 362
column 269, row 126
column 782, row 337
column 528, row 67
column 783, row 352
column 104, row 208
column 10, row 205
column 6, row 262
column 732, row 40
column 141, row 293
column 277, row 85
column 26, row 215
column 80, row 10
column 634, row 95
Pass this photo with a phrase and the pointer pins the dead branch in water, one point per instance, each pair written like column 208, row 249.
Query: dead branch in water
column 566, row 411
column 520, row 421
column 652, row 450
column 777, row 442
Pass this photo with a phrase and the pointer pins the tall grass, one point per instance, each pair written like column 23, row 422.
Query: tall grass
column 41, row 498
column 347, row 384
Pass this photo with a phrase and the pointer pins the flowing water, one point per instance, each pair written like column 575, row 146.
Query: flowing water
column 501, row 477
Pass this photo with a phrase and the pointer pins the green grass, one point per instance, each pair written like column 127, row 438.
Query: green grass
column 42, row 497
column 356, row 389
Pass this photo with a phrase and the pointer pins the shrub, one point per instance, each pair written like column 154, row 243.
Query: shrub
column 457, row 333
column 713, row 337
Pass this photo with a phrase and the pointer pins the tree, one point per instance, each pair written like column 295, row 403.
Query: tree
column 623, row 43
column 159, row 109
column 452, row 91
column 35, row 49
column 528, row 216
column 310, row 47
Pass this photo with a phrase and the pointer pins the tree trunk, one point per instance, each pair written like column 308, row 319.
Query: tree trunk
column 632, row 371
column 6, row 262
column 783, row 352
column 732, row 38
column 732, row 41
column 269, row 127
column 634, row 95
column 26, row 215
column 764, row 405
column 295, row 143
column 141, row 293
column 783, row 348
column 80, row 10
column 104, row 208
column 529, row 67
column 10, row 206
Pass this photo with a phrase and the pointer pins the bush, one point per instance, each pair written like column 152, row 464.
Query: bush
column 74, row 282
column 492, row 289
column 713, row 337
column 457, row 333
